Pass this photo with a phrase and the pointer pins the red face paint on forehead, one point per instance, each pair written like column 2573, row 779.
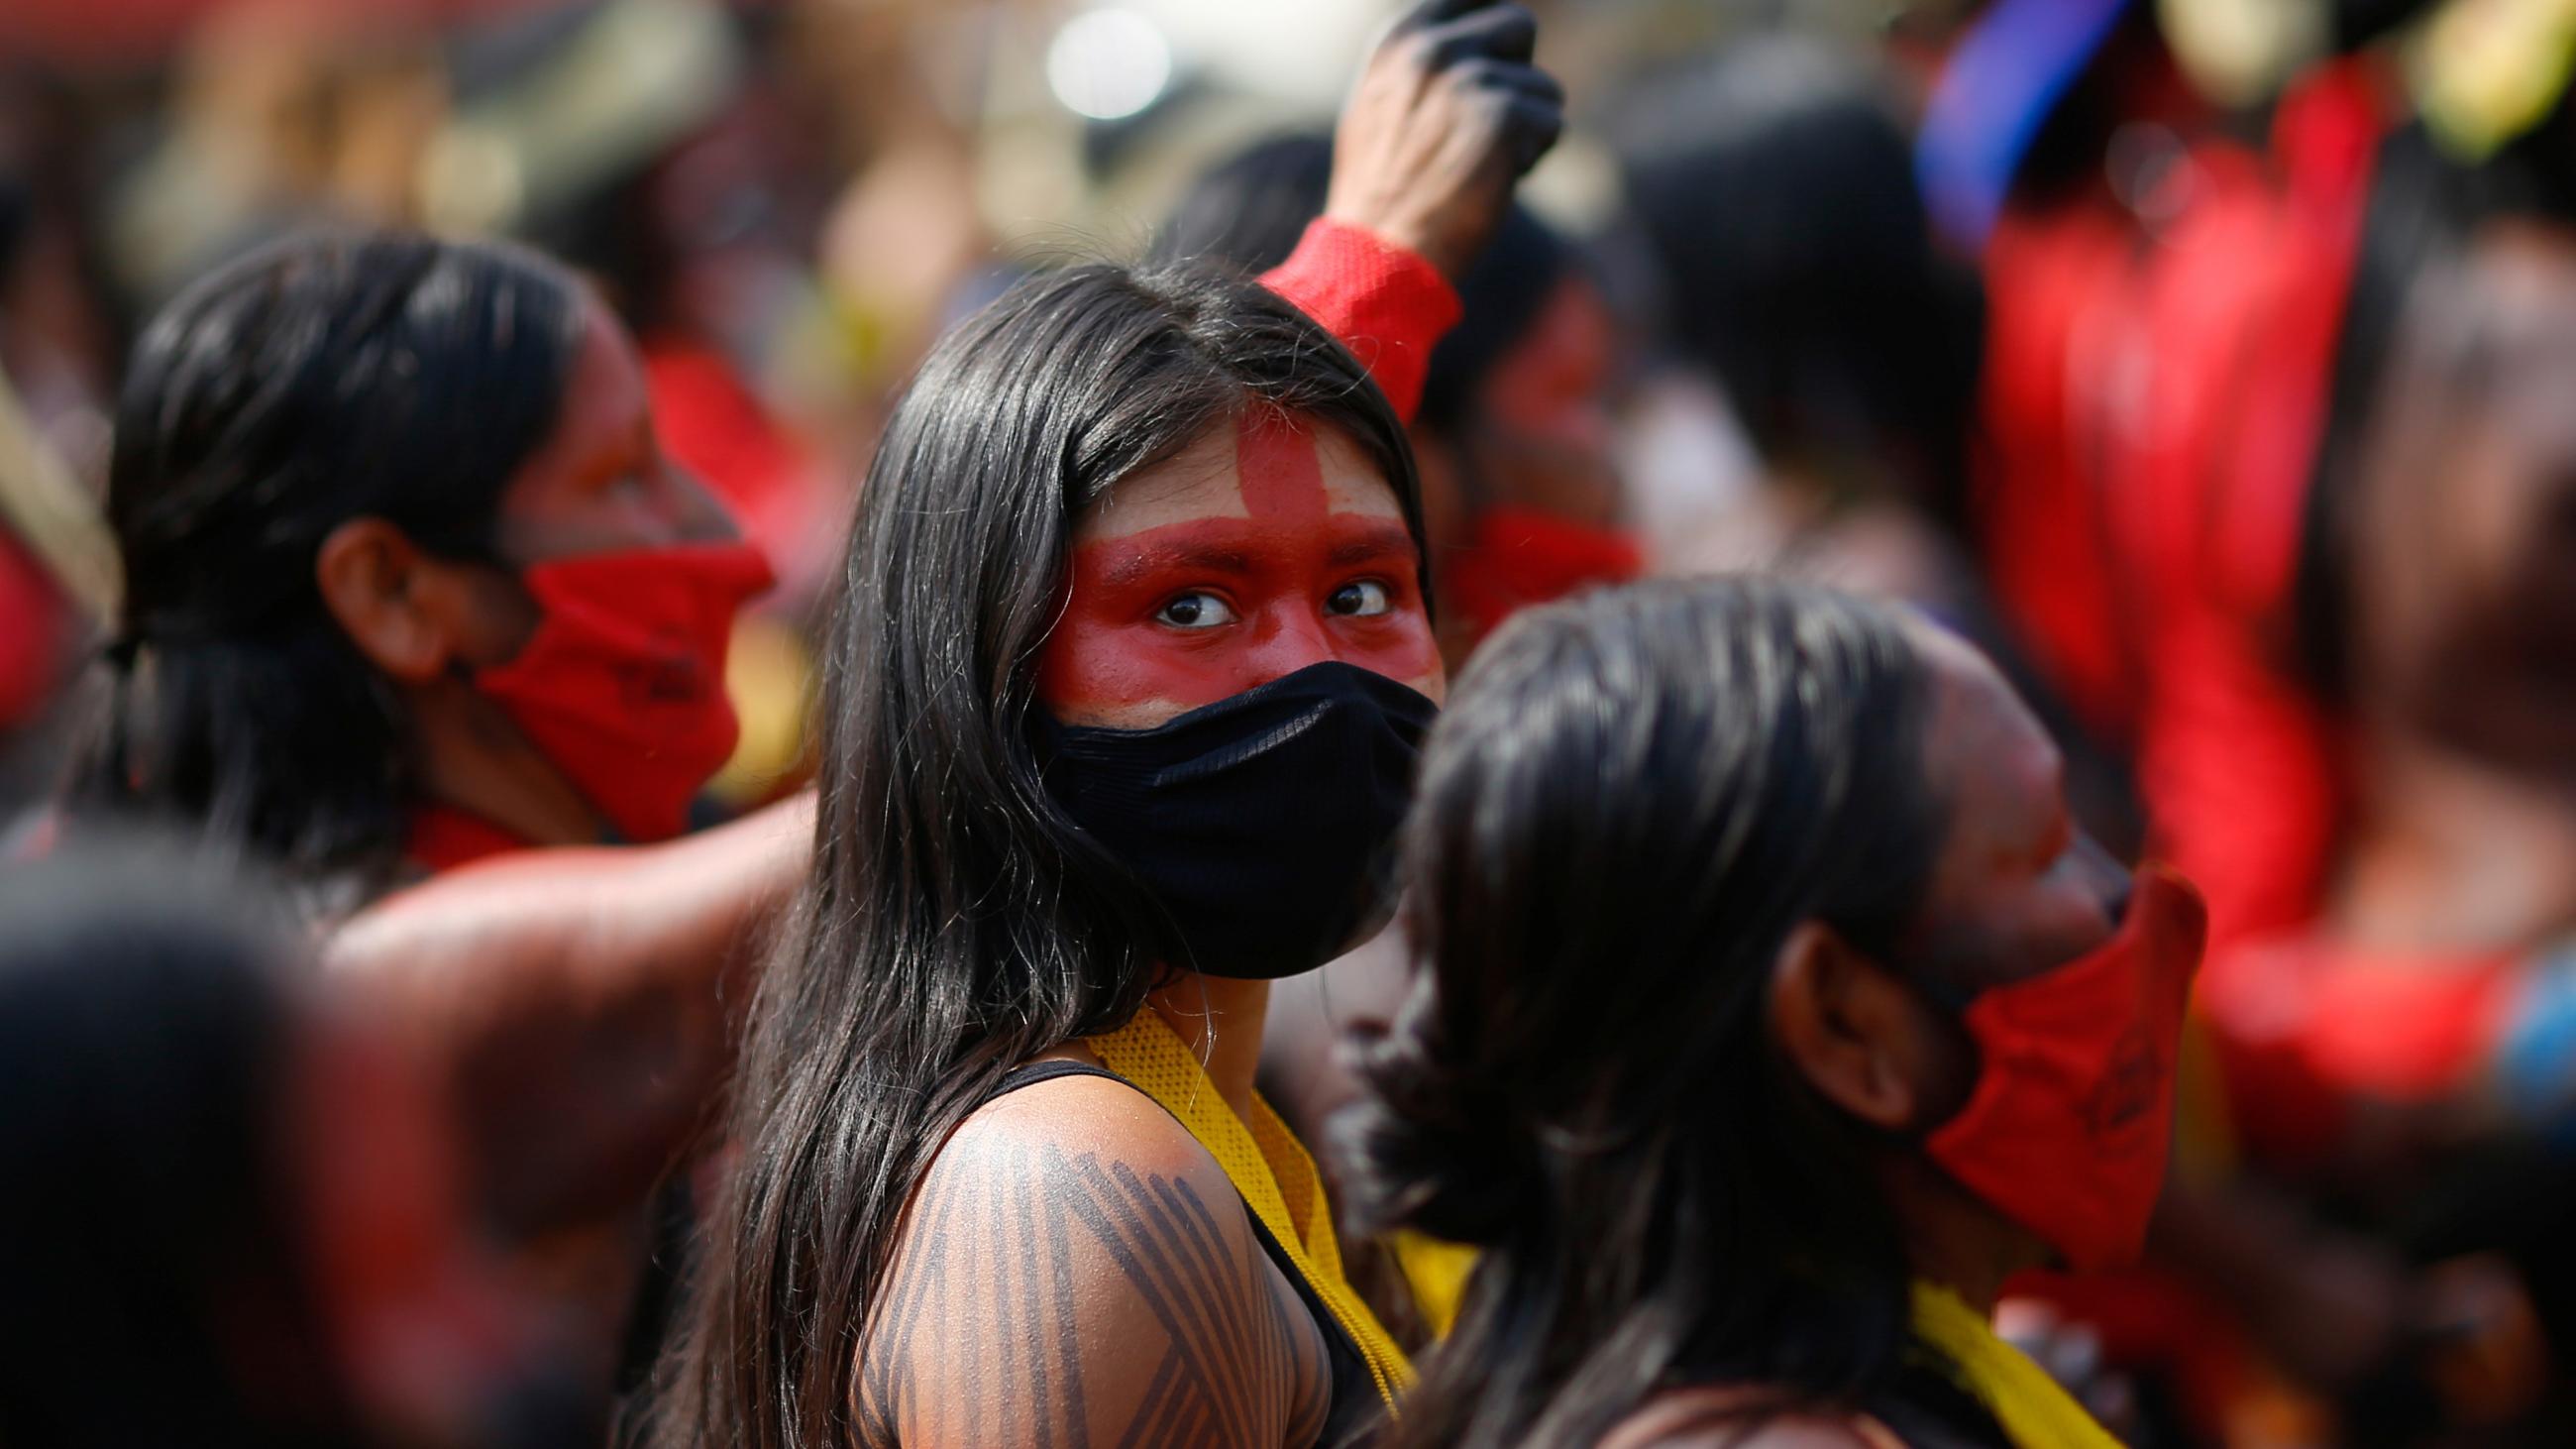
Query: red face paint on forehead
column 1277, row 468
column 1250, row 555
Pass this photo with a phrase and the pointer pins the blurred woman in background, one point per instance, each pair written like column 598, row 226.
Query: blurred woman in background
column 409, row 588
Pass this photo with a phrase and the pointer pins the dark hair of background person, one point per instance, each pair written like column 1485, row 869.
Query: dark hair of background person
column 1248, row 211
column 326, row 377
column 956, row 923
column 1776, row 190
column 149, row 1235
column 2424, row 209
column 1629, row 803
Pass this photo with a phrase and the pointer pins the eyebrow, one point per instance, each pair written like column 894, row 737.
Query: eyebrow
column 1134, row 566
column 1384, row 541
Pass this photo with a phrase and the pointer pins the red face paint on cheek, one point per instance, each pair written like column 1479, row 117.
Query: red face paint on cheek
column 1269, row 552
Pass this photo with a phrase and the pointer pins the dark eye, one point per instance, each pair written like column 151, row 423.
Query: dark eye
column 1194, row 611
column 1362, row 600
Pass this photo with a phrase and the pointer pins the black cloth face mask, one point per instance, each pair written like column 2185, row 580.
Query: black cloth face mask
column 1262, row 824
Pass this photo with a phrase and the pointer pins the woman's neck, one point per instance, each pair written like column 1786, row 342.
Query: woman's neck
column 1952, row 1238
column 474, row 761
column 2452, row 853
column 1219, row 1019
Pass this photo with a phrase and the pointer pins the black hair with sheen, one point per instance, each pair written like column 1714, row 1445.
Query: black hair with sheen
column 1630, row 802
column 956, row 923
column 326, row 377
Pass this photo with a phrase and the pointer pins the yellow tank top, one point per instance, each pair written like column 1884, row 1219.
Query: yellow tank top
column 1268, row 1166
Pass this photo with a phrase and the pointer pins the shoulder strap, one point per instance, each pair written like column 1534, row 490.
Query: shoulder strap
column 1032, row 1073
column 1279, row 1184
column 2036, row 1412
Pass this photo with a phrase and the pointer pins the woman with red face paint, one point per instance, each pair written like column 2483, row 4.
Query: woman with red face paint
column 409, row 588
column 407, row 581
column 1119, row 717
column 1770, row 1012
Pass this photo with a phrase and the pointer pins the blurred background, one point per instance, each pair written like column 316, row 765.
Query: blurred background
column 786, row 198
column 2080, row 323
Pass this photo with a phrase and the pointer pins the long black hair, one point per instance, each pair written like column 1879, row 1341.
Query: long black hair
column 327, row 377
column 1629, row 803
column 956, row 923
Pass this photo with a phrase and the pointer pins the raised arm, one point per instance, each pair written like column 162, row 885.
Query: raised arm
column 1074, row 1270
column 580, row 1003
column 1446, row 116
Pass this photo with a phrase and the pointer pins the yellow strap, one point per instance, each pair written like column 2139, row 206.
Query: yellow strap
column 2035, row 1411
column 1437, row 1274
column 1268, row 1166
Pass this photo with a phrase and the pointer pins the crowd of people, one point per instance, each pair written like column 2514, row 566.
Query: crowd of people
column 1696, row 729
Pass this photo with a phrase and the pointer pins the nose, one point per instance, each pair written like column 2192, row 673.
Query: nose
column 697, row 515
column 2110, row 881
column 1292, row 637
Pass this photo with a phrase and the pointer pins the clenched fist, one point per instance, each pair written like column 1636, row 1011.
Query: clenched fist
column 1448, row 113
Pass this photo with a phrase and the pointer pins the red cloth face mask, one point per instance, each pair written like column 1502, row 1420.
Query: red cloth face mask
column 622, row 686
column 1521, row 557
column 2072, row 1118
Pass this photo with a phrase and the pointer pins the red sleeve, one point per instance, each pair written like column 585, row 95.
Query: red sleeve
column 1387, row 305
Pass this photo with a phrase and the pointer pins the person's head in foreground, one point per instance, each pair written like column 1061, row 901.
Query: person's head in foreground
column 232, row 1215
column 1763, row 975
column 1124, row 690
column 399, row 546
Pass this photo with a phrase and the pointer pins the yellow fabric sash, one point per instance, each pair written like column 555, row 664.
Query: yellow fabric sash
column 1267, row 1165
column 1437, row 1274
column 2035, row 1411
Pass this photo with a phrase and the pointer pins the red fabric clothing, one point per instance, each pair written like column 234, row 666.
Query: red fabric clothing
column 717, row 429
column 2305, row 1028
column 2057, row 313
column 2240, row 769
column 443, row 837
column 1521, row 556
column 2153, row 407
column 34, row 623
column 1387, row 305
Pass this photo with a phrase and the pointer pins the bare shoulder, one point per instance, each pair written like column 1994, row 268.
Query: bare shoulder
column 1722, row 1418
column 1076, row 1268
column 1084, row 1114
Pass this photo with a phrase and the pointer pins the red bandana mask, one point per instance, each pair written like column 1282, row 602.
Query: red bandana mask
column 1521, row 556
column 622, row 686
column 2072, row 1118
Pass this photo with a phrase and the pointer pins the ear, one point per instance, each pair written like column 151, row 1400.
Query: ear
column 1852, row 1028
column 400, row 605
